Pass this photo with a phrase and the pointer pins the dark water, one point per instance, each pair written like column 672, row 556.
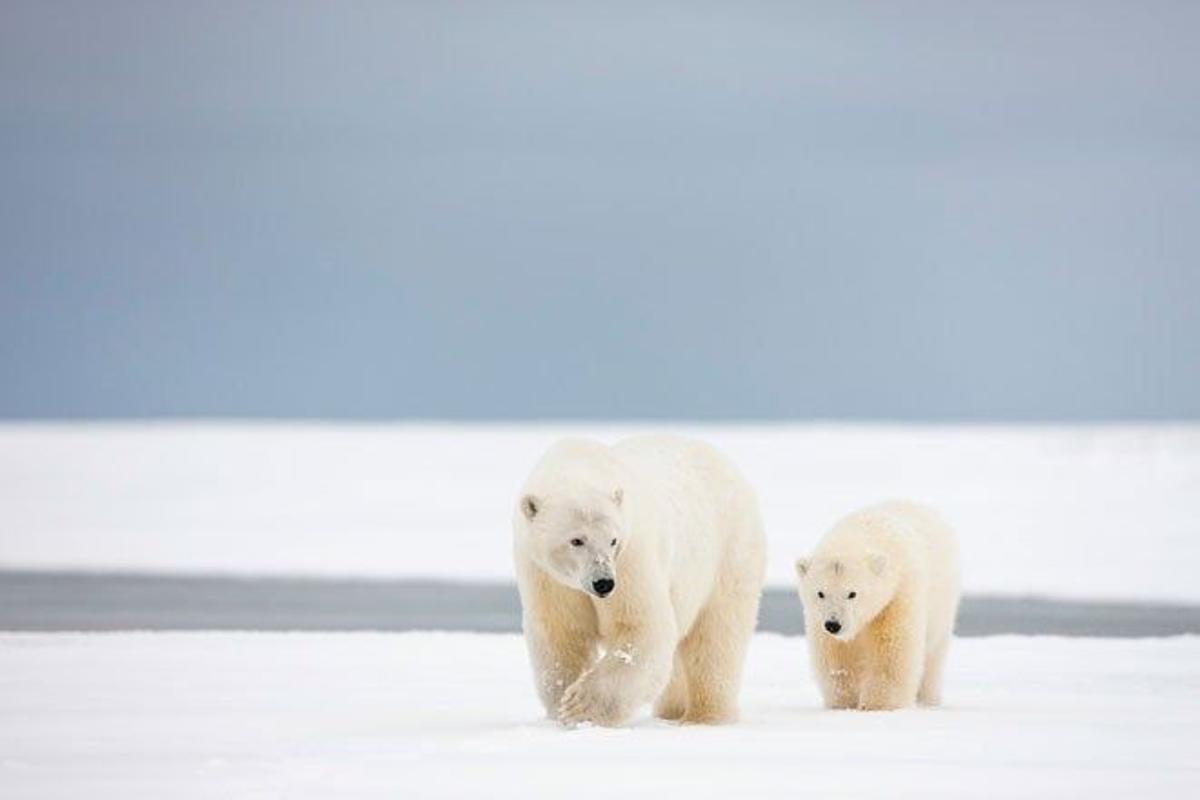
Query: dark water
column 59, row 601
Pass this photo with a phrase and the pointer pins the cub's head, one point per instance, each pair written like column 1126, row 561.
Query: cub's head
column 576, row 541
column 841, row 595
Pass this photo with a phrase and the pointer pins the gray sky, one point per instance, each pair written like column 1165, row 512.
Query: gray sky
column 951, row 210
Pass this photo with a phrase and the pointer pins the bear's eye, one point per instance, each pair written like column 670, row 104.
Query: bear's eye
column 821, row 595
column 613, row 543
column 852, row 595
column 577, row 543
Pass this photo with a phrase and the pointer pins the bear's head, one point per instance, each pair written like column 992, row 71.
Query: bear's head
column 841, row 595
column 575, row 540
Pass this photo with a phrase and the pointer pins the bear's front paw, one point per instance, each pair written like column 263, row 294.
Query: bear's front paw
column 883, row 700
column 586, row 700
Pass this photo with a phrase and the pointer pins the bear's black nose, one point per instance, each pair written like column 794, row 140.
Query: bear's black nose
column 603, row 586
column 832, row 625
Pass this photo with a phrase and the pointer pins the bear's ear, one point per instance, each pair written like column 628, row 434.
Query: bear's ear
column 877, row 562
column 618, row 494
column 529, row 505
column 802, row 565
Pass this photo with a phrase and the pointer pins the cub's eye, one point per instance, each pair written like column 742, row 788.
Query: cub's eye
column 577, row 543
column 821, row 595
column 613, row 543
column 852, row 595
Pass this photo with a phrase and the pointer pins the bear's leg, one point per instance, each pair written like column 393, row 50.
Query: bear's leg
column 561, row 635
column 558, row 656
column 672, row 703
column 893, row 672
column 840, row 692
column 930, row 693
column 713, row 653
column 835, row 670
column 638, row 634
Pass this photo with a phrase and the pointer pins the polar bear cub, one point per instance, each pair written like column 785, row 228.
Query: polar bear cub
column 640, row 568
column 880, row 596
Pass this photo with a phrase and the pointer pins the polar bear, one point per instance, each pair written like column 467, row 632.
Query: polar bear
column 640, row 568
column 880, row 596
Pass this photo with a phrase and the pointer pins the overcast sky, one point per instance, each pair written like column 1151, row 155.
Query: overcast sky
column 950, row 210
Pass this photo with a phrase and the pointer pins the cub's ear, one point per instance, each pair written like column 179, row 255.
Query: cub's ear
column 529, row 505
column 618, row 494
column 802, row 565
column 877, row 562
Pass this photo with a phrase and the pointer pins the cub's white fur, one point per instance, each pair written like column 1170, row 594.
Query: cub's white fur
column 880, row 596
column 676, row 528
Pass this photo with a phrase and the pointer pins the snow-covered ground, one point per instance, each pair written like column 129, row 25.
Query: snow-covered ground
column 205, row 715
column 1068, row 511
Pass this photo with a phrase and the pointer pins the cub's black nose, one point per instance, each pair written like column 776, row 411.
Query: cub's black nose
column 832, row 625
column 604, row 586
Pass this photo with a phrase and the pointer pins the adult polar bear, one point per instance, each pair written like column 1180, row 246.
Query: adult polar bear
column 640, row 567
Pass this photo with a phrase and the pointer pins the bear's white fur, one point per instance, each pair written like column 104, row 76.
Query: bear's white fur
column 677, row 529
column 900, row 562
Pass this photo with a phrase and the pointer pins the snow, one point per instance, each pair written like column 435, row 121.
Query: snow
column 1093, row 512
column 254, row 715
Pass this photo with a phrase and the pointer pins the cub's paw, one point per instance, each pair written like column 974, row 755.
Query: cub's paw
column 883, row 703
